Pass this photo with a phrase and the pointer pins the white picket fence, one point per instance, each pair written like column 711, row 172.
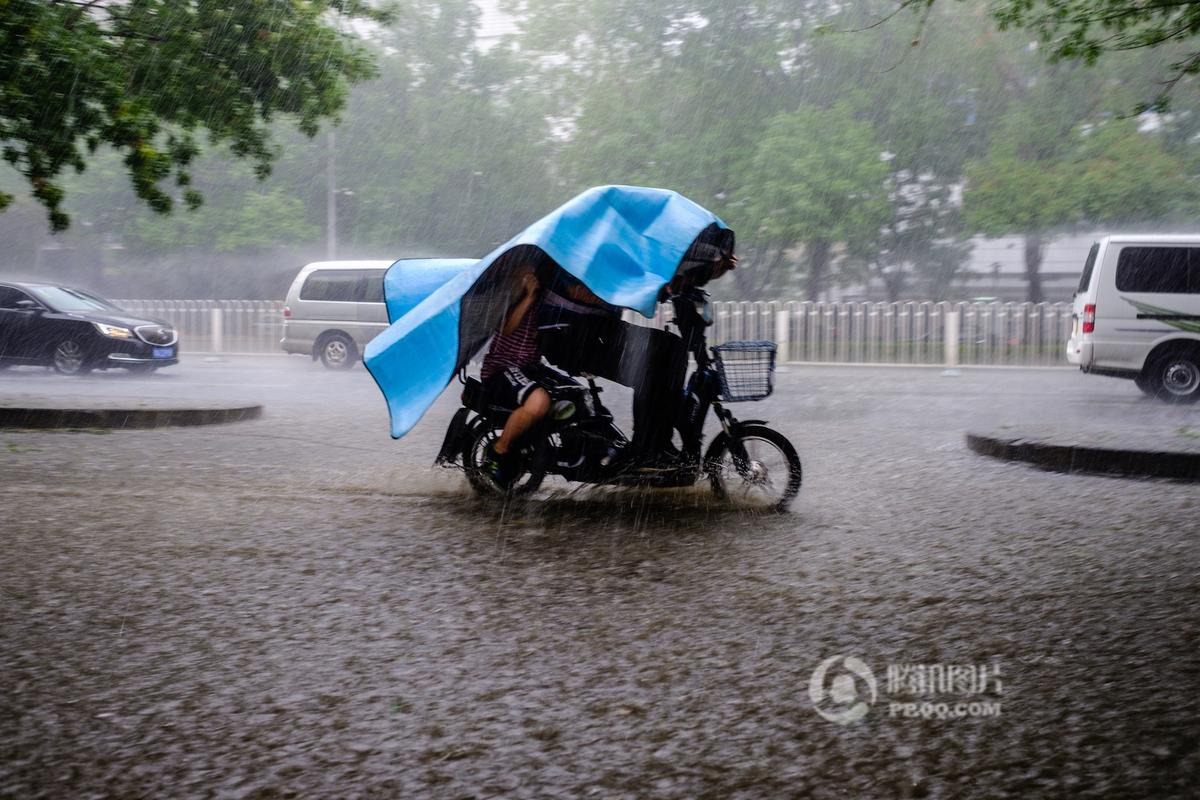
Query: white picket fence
column 1031, row 334
column 1017, row 334
column 218, row 326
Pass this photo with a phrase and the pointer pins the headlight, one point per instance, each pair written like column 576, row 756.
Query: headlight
column 115, row 331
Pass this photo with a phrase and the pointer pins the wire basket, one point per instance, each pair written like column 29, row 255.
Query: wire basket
column 746, row 370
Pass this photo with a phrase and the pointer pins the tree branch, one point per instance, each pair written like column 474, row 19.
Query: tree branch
column 904, row 4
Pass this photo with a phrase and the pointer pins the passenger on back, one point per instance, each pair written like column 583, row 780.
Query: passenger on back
column 513, row 376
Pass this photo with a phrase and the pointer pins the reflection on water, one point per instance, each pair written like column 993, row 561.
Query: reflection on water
column 604, row 507
column 577, row 510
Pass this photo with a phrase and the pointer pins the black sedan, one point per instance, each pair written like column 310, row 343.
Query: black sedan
column 74, row 331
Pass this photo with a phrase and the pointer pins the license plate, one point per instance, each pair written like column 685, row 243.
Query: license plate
column 164, row 352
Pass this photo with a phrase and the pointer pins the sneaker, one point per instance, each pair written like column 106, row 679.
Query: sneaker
column 501, row 468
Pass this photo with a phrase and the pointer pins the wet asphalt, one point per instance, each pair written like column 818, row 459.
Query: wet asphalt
column 301, row 606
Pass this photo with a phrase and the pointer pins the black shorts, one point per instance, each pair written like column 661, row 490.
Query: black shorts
column 510, row 387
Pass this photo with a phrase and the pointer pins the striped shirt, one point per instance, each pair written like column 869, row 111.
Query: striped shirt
column 517, row 349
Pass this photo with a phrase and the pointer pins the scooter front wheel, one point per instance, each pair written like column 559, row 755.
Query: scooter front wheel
column 757, row 468
column 474, row 452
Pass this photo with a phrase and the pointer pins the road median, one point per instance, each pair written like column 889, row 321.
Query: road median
column 31, row 412
column 1153, row 452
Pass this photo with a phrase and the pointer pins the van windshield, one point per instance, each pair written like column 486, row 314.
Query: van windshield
column 1085, row 279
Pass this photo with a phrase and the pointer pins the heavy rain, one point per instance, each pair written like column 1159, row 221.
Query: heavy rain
column 548, row 398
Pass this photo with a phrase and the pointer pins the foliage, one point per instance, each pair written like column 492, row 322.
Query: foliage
column 262, row 217
column 1085, row 30
column 817, row 177
column 1100, row 174
column 651, row 95
column 146, row 76
column 838, row 158
column 1125, row 177
column 925, row 235
column 932, row 108
column 433, row 153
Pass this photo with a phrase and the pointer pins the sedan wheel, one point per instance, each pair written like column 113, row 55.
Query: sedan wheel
column 69, row 358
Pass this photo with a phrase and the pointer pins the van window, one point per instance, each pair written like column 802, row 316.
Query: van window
column 344, row 286
column 331, row 285
column 372, row 290
column 1085, row 279
column 1164, row 270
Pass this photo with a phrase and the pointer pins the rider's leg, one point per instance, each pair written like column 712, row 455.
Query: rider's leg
column 533, row 410
column 653, row 363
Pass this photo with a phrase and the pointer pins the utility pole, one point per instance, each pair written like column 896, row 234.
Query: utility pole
column 331, row 199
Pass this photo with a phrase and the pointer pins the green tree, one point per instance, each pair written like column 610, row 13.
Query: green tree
column 431, row 158
column 662, row 92
column 680, row 94
column 261, row 217
column 146, row 76
column 932, row 108
column 924, row 236
column 1106, row 173
column 440, row 151
column 817, row 179
column 1086, row 30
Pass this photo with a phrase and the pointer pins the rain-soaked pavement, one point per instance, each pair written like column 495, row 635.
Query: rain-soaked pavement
column 299, row 606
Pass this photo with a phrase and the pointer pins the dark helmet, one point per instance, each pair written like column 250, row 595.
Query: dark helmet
column 703, row 259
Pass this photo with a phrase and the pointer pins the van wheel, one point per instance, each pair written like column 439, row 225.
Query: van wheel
column 1174, row 376
column 337, row 351
column 1143, row 382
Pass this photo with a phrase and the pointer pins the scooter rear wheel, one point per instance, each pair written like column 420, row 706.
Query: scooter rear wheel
column 475, row 447
column 768, row 478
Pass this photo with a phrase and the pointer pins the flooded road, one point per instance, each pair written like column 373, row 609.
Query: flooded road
column 300, row 606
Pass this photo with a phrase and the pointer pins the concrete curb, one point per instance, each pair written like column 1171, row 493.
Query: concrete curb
column 1062, row 457
column 13, row 417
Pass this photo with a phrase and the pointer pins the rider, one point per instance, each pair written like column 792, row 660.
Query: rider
column 582, row 333
column 512, row 376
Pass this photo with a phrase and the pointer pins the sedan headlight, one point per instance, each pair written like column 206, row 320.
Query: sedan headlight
column 115, row 331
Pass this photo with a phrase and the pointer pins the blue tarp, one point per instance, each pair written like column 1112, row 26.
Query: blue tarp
column 623, row 242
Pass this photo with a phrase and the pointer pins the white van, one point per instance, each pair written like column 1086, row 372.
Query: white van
column 1137, row 314
column 333, row 309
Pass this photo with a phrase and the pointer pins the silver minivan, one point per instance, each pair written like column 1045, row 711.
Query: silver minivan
column 333, row 309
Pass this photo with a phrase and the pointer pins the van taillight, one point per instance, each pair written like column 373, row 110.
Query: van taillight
column 287, row 312
column 1089, row 318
